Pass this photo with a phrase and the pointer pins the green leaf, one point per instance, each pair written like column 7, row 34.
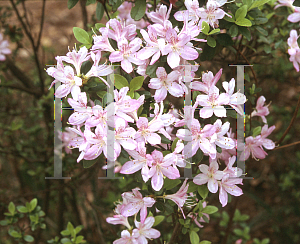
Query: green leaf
column 136, row 83
column 158, row 220
column 139, row 9
column 224, row 39
column 11, row 208
column 65, row 241
column 14, row 234
column 192, row 187
column 65, row 233
column 131, row 94
column 205, row 242
column 81, row 35
column 78, row 229
column 247, row 2
column 151, row 69
column 70, row 227
column 245, row 32
column 232, row 19
column 205, row 28
column 164, row 140
column 33, row 204
column 257, row 131
column 241, row 13
column 261, row 30
column 243, row 22
column 22, row 209
column 233, row 30
column 208, row 53
column 88, row 2
column 214, row 31
column 99, row 25
column 203, row 191
column 28, row 238
column 107, row 99
column 211, row 41
column 174, row 144
column 99, row 11
column 120, row 81
column 3, row 223
column 72, row 3
column 170, row 184
column 194, row 238
column 210, row 209
column 258, row 3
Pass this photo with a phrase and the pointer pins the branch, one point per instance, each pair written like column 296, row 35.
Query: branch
column 84, row 14
column 175, row 233
column 288, row 145
column 41, row 26
column 291, row 123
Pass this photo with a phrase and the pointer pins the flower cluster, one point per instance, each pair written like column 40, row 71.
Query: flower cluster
column 4, row 50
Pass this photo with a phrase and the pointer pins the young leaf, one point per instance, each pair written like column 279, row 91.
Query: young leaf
column 210, row 209
column 214, row 31
column 11, row 208
column 241, row 13
column 81, row 35
column 243, row 22
column 203, row 191
column 233, row 30
column 258, row 3
column 99, row 11
column 139, row 9
column 158, row 220
column 120, row 81
column 33, row 204
column 28, row 238
column 72, row 3
column 205, row 28
column 22, row 209
column 257, row 131
column 205, row 242
column 211, row 41
column 194, row 238
column 136, row 83
column 170, row 184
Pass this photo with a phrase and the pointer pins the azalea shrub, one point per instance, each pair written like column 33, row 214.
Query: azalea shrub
column 145, row 110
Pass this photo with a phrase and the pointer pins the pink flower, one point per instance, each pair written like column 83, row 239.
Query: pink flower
column 294, row 50
column 98, row 140
column 4, row 50
column 102, row 42
column 236, row 99
column 228, row 185
column 71, row 83
column 265, row 132
column 127, row 54
column 180, row 196
column 126, row 238
column 253, row 146
column 209, row 175
column 140, row 161
column 199, row 138
column 135, row 203
column 288, row 3
column 164, row 83
column 178, row 46
column 294, row 17
column 212, row 103
column 232, row 171
column 146, row 130
column 118, row 31
column 79, row 142
column 159, row 168
column 208, row 81
column 99, row 117
column 77, row 58
column 211, row 14
column 118, row 218
column 66, row 138
column 153, row 47
column 221, row 130
column 143, row 230
column 260, row 109
column 192, row 6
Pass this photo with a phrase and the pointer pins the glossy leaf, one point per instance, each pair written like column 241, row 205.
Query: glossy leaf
column 81, row 35
column 139, row 9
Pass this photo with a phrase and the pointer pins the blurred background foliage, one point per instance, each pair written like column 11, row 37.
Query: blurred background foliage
column 269, row 210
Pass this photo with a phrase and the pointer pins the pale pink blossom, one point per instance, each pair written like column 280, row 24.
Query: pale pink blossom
column 208, row 81
column 140, row 161
column 265, row 132
column 210, row 175
column 4, row 50
column 101, row 42
column 79, row 142
column 212, row 103
column 146, row 132
column 135, row 203
column 228, row 185
column 127, row 54
column 144, row 231
column 221, row 130
column 126, row 238
column 288, row 3
column 294, row 50
column 180, row 196
column 192, row 6
column 197, row 137
column 294, row 17
column 165, row 83
column 118, row 30
column 232, row 171
column 118, row 218
column 211, row 14
column 178, row 46
column 159, row 168
column 253, row 146
column 260, row 109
